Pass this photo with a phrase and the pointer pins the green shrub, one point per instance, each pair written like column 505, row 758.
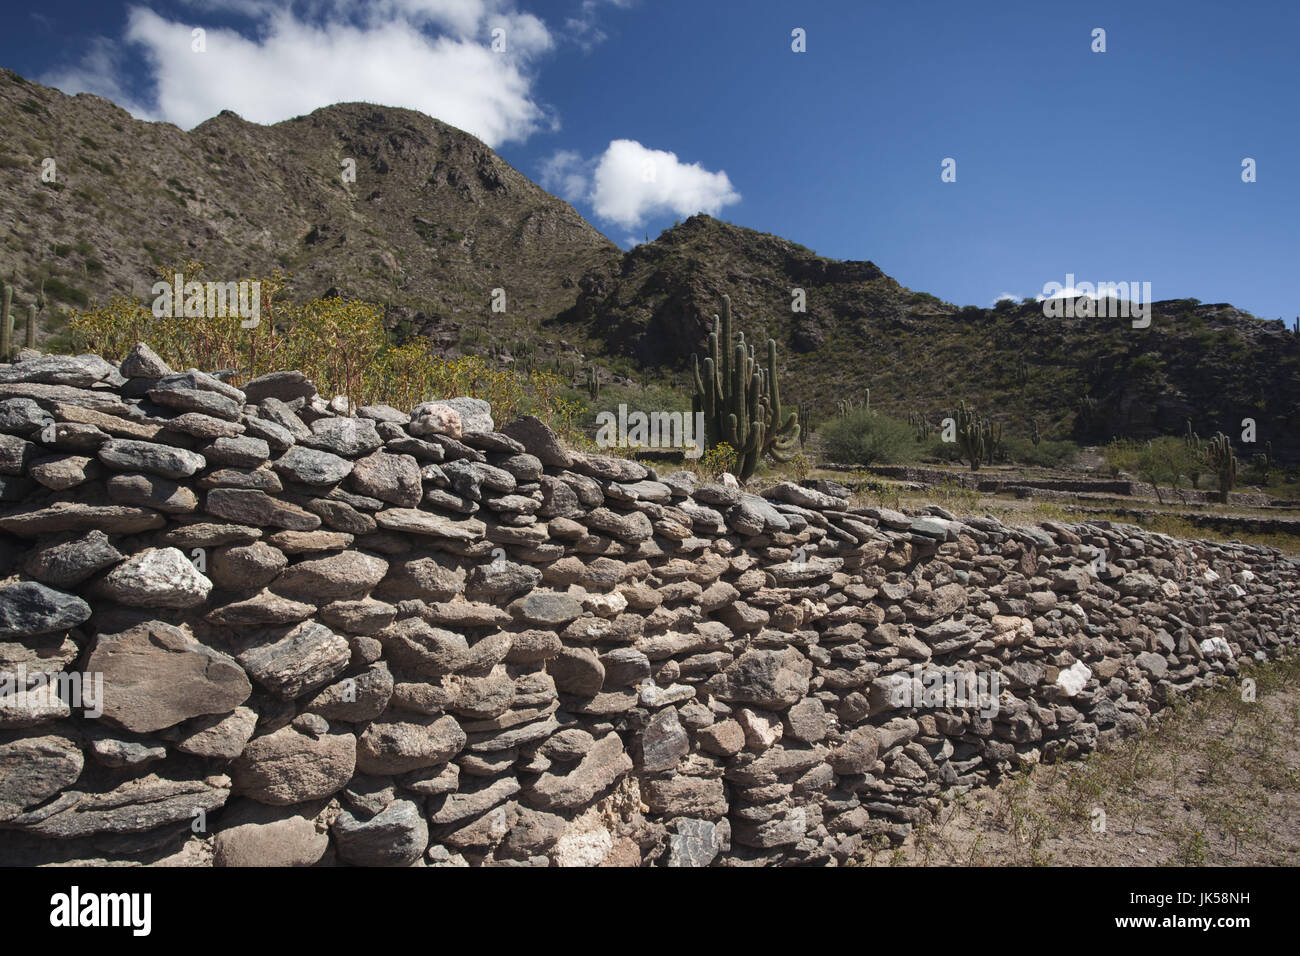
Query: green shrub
column 867, row 438
column 1046, row 454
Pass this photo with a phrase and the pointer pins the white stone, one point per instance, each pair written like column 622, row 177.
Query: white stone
column 1072, row 680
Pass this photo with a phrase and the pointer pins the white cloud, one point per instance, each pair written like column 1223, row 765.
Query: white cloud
column 567, row 175
column 434, row 56
column 581, row 28
column 1006, row 295
column 629, row 183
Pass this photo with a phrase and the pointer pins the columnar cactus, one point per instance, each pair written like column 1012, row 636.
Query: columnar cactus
column 593, row 383
column 1035, row 435
column 1224, row 462
column 921, row 427
column 741, row 400
column 7, row 324
column 806, row 424
column 978, row 440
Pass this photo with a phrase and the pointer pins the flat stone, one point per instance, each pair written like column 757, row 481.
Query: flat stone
column 264, row 608
column 136, row 805
column 155, row 676
column 412, row 521
column 347, row 437
column 311, row 466
column 33, row 769
column 150, row 491
column 258, row 509
column 342, row 576
column 306, row 659
column 283, row 386
column 125, row 454
column 400, row 743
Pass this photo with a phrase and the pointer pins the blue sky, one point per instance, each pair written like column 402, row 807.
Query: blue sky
column 1117, row 166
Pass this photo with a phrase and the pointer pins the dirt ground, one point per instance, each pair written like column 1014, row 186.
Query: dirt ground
column 1216, row 782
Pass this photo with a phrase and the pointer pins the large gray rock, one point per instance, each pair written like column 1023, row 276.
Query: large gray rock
column 124, row 454
column 311, row 466
column 155, row 676
column 143, row 362
column 663, row 742
column 29, row 608
column 538, row 439
column 475, row 414
column 150, row 491
column 392, row 478
column 51, row 370
column 348, row 437
column 397, row 836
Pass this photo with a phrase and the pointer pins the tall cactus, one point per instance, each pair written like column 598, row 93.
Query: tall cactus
column 741, row 400
column 979, row 441
column 1035, row 435
column 1224, row 462
column 593, row 383
column 7, row 324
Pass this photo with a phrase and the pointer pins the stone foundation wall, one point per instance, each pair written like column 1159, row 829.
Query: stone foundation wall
column 412, row 638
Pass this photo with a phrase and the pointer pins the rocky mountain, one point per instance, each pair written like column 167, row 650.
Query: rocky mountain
column 435, row 221
column 1086, row 378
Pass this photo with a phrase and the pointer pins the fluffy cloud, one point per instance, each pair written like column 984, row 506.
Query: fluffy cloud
column 434, row 56
column 629, row 183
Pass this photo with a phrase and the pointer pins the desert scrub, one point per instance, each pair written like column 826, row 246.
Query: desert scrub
column 340, row 344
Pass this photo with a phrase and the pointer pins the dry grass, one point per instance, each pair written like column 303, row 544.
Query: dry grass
column 1215, row 782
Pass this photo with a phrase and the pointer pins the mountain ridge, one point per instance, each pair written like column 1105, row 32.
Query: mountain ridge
column 436, row 221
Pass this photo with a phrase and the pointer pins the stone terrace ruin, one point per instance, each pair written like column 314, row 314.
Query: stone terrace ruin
column 400, row 638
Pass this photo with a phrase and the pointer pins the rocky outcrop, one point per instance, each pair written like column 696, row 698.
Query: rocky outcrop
column 315, row 639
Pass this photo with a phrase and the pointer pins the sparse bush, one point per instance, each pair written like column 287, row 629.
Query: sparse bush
column 1046, row 454
column 867, row 438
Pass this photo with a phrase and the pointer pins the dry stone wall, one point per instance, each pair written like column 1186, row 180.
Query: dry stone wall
column 243, row 626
